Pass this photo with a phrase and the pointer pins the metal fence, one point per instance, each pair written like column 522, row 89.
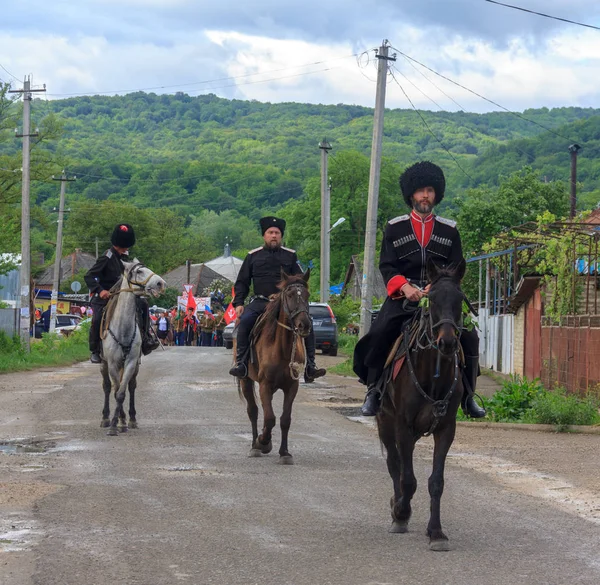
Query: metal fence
column 571, row 354
column 9, row 322
column 496, row 341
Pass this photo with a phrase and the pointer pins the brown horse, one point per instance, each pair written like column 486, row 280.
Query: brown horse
column 424, row 399
column 280, row 358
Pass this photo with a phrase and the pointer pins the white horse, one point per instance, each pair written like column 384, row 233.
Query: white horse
column 122, row 341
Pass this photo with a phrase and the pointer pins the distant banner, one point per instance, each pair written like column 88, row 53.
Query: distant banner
column 182, row 302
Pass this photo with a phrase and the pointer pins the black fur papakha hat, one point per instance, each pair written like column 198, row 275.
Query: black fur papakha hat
column 123, row 236
column 269, row 222
column 420, row 175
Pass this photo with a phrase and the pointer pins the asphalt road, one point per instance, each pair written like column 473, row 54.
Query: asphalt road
column 179, row 501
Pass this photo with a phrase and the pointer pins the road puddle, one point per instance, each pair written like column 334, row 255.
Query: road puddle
column 25, row 448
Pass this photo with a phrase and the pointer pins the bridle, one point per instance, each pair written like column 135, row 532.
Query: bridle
column 426, row 331
column 302, row 305
column 296, row 368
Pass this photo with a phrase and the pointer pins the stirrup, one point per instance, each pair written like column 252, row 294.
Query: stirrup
column 239, row 370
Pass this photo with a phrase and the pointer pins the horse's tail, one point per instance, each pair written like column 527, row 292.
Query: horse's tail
column 250, row 386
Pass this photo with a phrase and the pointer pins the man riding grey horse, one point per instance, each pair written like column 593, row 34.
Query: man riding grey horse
column 263, row 267
column 101, row 277
column 409, row 241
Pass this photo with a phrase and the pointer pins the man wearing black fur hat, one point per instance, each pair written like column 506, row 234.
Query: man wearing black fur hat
column 101, row 277
column 263, row 267
column 409, row 241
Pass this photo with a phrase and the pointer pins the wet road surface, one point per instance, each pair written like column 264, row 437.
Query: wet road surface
column 179, row 501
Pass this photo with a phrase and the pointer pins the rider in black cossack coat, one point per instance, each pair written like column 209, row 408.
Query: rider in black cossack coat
column 101, row 277
column 263, row 267
column 409, row 241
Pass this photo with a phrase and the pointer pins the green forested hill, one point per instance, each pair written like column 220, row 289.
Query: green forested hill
column 191, row 171
column 209, row 152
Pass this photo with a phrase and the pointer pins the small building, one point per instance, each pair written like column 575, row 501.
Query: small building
column 203, row 274
column 353, row 281
column 70, row 265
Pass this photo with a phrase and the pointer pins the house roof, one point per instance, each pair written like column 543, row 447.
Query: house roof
column 524, row 291
column 69, row 265
column 201, row 275
column 355, row 271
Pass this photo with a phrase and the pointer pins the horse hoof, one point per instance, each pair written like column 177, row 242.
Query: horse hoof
column 105, row 423
column 133, row 424
column 439, row 545
column 113, row 432
column 266, row 448
column 255, row 453
column 123, row 429
column 398, row 527
column 286, row 460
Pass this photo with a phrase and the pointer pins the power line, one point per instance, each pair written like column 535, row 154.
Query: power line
column 428, row 127
column 542, row 14
column 7, row 71
column 521, row 117
column 213, row 80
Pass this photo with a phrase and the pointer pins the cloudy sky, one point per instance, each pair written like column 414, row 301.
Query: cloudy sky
column 308, row 51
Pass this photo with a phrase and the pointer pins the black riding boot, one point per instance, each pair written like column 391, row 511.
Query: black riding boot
column 372, row 402
column 469, row 406
column 149, row 341
column 94, row 335
column 240, row 369
column 311, row 371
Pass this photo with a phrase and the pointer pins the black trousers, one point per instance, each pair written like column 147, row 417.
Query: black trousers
column 372, row 350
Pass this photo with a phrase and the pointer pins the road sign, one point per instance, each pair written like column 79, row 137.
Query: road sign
column 75, row 286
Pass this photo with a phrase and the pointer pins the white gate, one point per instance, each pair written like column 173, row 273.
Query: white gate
column 496, row 340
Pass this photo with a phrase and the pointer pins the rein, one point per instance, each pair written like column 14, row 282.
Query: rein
column 107, row 315
column 296, row 368
column 425, row 331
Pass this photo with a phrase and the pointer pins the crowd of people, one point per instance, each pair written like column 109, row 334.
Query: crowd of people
column 199, row 328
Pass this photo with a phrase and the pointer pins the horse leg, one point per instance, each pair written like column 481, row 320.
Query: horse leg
column 401, row 510
column 132, row 386
column 247, row 387
column 121, row 389
column 387, row 435
column 263, row 442
column 443, row 440
column 285, row 457
column 114, row 371
column 106, row 386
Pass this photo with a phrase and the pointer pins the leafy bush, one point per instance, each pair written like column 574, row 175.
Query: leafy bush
column 511, row 403
column 345, row 309
column 562, row 409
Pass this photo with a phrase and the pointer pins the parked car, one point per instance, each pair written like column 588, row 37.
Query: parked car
column 64, row 324
column 325, row 327
column 228, row 335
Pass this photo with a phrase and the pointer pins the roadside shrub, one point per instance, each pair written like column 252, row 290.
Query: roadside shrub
column 345, row 309
column 9, row 344
column 511, row 403
column 562, row 409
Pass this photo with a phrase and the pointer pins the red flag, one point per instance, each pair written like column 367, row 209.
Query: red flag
column 230, row 314
column 191, row 302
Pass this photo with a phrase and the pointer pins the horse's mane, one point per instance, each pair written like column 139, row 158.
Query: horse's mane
column 268, row 324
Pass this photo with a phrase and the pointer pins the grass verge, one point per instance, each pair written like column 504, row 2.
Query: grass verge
column 346, row 345
column 51, row 350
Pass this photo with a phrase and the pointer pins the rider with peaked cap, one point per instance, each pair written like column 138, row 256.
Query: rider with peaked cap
column 263, row 267
column 408, row 242
column 101, row 277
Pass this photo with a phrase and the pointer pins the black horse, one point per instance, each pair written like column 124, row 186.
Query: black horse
column 424, row 398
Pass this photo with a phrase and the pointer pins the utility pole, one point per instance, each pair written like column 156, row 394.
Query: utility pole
column 372, row 205
column 25, row 273
column 573, row 149
column 57, row 260
column 325, row 221
column 96, row 247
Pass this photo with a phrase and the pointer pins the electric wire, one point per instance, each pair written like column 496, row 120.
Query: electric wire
column 428, row 127
column 7, row 71
column 521, row 117
column 213, row 80
column 542, row 14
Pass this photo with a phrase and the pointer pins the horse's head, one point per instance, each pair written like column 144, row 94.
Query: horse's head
column 141, row 276
column 294, row 297
column 445, row 304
